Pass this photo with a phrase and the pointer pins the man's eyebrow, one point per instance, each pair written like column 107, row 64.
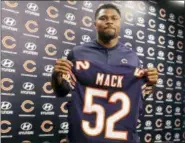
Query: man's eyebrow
column 108, row 16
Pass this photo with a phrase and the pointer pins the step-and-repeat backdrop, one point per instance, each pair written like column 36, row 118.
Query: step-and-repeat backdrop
column 36, row 33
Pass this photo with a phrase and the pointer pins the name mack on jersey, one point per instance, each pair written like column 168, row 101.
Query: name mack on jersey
column 109, row 80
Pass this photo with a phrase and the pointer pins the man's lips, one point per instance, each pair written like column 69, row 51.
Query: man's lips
column 109, row 28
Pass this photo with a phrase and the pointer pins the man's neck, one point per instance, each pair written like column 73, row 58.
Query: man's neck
column 108, row 44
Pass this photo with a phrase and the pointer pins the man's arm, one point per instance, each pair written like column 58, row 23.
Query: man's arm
column 60, row 86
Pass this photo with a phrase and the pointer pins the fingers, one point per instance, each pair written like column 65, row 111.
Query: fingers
column 62, row 71
column 63, row 62
column 73, row 83
column 73, row 77
column 66, row 61
column 64, row 66
column 153, row 77
column 151, row 71
column 152, row 80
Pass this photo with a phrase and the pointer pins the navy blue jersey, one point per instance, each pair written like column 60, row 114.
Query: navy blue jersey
column 116, row 55
column 105, row 103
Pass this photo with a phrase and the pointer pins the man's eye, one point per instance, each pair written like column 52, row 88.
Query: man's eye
column 102, row 18
column 115, row 18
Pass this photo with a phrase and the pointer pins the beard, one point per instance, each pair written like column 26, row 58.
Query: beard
column 106, row 36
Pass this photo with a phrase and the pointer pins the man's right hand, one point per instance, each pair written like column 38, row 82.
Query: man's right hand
column 63, row 67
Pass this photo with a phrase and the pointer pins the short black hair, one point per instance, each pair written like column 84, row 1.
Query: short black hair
column 107, row 6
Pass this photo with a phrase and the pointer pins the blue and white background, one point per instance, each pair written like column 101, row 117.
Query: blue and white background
column 36, row 33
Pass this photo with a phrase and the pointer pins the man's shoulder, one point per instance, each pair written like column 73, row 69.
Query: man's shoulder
column 77, row 50
column 129, row 53
column 83, row 49
column 125, row 48
column 85, row 46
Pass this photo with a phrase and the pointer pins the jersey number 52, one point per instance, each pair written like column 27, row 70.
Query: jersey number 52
column 102, row 123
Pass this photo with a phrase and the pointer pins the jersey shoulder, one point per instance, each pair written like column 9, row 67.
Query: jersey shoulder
column 129, row 52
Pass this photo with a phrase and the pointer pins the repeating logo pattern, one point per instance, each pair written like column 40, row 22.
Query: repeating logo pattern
column 35, row 34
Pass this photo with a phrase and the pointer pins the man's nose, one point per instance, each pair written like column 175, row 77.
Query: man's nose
column 109, row 21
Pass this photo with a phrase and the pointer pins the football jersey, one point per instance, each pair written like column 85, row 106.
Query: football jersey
column 105, row 103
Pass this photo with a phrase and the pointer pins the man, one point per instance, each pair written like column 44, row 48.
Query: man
column 108, row 53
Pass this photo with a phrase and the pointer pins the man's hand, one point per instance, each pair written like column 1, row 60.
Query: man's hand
column 152, row 75
column 63, row 67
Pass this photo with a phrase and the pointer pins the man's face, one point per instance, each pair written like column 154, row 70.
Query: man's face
column 107, row 24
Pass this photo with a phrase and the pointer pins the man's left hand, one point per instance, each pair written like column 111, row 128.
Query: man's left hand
column 152, row 75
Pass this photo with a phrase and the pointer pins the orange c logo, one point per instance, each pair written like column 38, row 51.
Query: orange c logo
column 23, row 106
column 6, row 45
column 71, row 32
column 11, row 4
column 31, row 30
column 25, row 65
column 45, row 88
column 62, row 107
column 7, row 129
column 44, row 124
column 50, row 14
column 7, row 88
column 71, row 2
column 48, row 52
column 87, row 21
